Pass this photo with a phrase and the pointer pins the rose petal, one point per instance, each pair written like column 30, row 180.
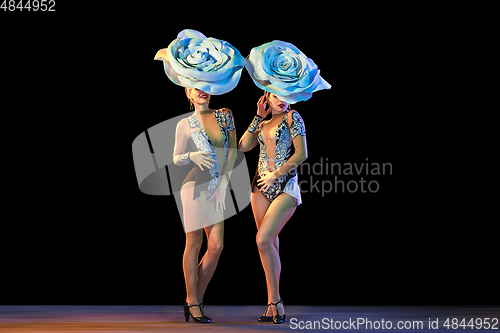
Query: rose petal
column 189, row 33
column 215, row 87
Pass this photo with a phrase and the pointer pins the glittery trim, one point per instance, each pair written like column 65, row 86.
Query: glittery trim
column 183, row 159
column 255, row 124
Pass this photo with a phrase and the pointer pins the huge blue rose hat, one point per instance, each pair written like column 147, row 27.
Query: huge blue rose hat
column 281, row 68
column 194, row 61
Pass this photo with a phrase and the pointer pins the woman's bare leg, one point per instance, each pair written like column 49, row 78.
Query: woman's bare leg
column 276, row 216
column 206, row 269
column 192, row 215
column 260, row 204
column 214, row 229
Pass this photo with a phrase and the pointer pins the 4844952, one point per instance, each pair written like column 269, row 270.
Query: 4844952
column 29, row 5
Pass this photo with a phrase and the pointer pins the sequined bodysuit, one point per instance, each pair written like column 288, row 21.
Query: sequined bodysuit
column 208, row 179
column 274, row 152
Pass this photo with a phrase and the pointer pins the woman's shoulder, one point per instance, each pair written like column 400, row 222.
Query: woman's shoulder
column 296, row 124
column 183, row 121
column 227, row 118
column 294, row 115
column 183, row 124
column 225, row 111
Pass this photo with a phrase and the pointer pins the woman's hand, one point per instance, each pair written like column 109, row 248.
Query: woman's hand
column 220, row 196
column 266, row 180
column 200, row 159
column 261, row 106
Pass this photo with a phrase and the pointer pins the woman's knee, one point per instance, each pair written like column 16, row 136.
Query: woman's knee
column 215, row 247
column 264, row 243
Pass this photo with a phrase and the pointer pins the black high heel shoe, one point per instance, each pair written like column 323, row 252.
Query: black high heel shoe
column 202, row 319
column 203, row 311
column 264, row 318
column 277, row 319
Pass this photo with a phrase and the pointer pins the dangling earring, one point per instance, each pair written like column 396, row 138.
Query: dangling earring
column 288, row 108
column 191, row 106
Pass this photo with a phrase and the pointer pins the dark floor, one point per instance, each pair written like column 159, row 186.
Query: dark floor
column 243, row 319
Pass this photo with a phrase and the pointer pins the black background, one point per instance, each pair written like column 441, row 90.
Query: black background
column 80, row 84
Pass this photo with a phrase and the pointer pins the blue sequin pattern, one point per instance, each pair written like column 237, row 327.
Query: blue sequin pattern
column 202, row 143
column 284, row 141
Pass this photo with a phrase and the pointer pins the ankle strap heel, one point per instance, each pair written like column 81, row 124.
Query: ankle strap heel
column 264, row 318
column 277, row 319
column 203, row 319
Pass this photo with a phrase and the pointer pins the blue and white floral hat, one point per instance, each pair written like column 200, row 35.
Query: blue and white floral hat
column 281, row 68
column 208, row 64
